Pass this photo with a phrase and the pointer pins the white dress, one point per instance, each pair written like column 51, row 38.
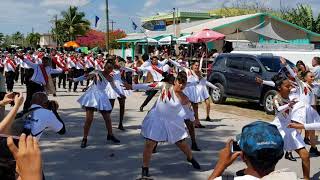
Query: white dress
column 96, row 96
column 191, row 89
column 303, row 112
column 165, row 121
column 112, row 94
column 291, row 137
column 196, row 88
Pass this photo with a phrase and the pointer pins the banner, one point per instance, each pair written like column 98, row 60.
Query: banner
column 158, row 25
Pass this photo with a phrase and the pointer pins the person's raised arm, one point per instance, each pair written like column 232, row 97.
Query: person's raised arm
column 6, row 123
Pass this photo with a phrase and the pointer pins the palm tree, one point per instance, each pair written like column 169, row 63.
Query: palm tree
column 1, row 38
column 33, row 39
column 303, row 16
column 73, row 22
column 17, row 38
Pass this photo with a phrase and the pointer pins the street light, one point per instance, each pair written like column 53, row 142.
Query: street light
column 107, row 23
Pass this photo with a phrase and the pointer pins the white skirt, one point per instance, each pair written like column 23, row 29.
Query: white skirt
column 305, row 114
column 202, row 91
column 191, row 93
column 160, row 128
column 291, row 137
column 95, row 98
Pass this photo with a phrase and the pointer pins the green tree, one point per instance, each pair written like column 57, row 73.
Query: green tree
column 74, row 23
column 303, row 16
column 17, row 38
column 33, row 39
column 1, row 38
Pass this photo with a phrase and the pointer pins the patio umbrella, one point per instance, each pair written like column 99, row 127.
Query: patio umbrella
column 183, row 39
column 71, row 44
column 149, row 41
column 204, row 36
column 166, row 40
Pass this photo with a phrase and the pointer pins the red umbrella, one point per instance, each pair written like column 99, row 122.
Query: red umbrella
column 204, row 36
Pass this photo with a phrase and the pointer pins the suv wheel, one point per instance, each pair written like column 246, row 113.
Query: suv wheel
column 268, row 101
column 217, row 94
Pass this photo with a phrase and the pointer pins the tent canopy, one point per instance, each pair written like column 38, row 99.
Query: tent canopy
column 266, row 31
column 167, row 40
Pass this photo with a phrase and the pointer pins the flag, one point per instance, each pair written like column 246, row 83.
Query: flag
column 96, row 22
column 134, row 25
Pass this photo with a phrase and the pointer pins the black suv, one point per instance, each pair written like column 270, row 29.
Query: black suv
column 234, row 75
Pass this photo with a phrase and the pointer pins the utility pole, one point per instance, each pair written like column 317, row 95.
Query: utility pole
column 112, row 22
column 107, row 23
column 55, row 26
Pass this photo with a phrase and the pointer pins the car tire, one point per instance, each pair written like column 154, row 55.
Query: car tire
column 268, row 101
column 217, row 94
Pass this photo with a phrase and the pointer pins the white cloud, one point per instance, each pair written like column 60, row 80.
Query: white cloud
column 150, row 3
column 64, row 2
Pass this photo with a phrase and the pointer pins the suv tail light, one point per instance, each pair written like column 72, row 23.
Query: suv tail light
column 210, row 66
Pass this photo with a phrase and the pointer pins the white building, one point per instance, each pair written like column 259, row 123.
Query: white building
column 47, row 41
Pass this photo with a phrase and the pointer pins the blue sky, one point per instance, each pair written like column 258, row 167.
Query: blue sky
column 23, row 15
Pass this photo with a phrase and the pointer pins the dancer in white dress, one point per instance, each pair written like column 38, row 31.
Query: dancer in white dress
column 199, row 92
column 113, row 95
column 304, row 111
column 161, row 126
column 283, row 109
column 96, row 99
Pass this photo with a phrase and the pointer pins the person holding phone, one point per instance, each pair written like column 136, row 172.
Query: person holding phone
column 258, row 142
column 28, row 158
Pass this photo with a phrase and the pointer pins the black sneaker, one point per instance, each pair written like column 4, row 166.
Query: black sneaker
column 314, row 151
column 289, row 156
column 113, row 139
column 83, row 143
column 145, row 174
column 194, row 147
column 194, row 163
column 141, row 109
column 307, row 141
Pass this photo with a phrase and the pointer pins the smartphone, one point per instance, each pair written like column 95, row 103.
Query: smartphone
column 14, row 95
column 5, row 153
column 235, row 146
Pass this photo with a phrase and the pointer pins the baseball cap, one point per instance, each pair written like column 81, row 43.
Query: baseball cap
column 260, row 135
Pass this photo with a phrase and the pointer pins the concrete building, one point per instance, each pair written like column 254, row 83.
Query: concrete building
column 47, row 41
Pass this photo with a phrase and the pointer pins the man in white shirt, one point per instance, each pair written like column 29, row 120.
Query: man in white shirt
column 44, row 115
column 39, row 79
column 9, row 68
column 157, row 70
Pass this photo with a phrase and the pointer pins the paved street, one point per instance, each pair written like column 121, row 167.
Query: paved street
column 64, row 159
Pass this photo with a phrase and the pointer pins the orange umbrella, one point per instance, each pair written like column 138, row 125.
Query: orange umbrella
column 71, row 44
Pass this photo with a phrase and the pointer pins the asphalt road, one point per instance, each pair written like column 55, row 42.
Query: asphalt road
column 64, row 159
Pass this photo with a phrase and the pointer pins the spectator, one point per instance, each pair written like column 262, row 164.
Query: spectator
column 43, row 115
column 27, row 156
column 261, row 147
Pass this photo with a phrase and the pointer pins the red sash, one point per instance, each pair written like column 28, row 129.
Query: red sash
column 89, row 59
column 55, row 60
column 44, row 73
column 73, row 60
column 100, row 63
column 29, row 58
column 12, row 64
column 154, row 67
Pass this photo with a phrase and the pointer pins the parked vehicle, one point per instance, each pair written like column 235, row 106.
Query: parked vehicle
column 234, row 75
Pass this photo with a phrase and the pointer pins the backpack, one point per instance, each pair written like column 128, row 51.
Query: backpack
column 23, row 123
